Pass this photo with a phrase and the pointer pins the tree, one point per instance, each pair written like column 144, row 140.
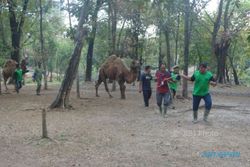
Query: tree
column 91, row 40
column 186, row 46
column 42, row 46
column 16, row 25
column 62, row 99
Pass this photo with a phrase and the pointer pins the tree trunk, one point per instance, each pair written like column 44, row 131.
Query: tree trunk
column 2, row 32
column 62, row 99
column 78, row 94
column 186, row 47
column 89, row 59
column 51, row 76
column 236, row 79
column 42, row 47
column 227, row 74
column 167, row 38
column 16, row 28
column 215, row 32
column 177, row 40
column 91, row 42
column 119, row 36
column 160, row 58
column 112, row 14
column 112, row 30
column 223, row 47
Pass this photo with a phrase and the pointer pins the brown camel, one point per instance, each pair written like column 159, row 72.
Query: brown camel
column 8, row 70
column 115, row 69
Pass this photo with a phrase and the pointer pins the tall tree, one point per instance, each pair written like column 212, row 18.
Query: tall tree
column 186, row 46
column 62, row 99
column 91, row 40
column 112, row 24
column 16, row 25
column 44, row 62
column 72, row 36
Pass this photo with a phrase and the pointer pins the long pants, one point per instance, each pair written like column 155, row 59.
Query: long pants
column 173, row 93
column 18, row 85
column 196, row 102
column 38, row 86
column 146, row 96
column 165, row 97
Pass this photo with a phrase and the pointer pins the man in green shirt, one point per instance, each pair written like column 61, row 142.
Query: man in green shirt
column 18, row 77
column 202, row 79
column 37, row 77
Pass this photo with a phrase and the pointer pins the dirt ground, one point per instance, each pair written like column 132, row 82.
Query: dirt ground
column 113, row 132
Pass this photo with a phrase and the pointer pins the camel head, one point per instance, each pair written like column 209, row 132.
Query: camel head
column 135, row 66
column 132, row 75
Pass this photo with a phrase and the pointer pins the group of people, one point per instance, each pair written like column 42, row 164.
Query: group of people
column 167, row 84
column 36, row 77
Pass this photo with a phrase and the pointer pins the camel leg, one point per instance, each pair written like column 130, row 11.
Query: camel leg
column 122, row 89
column 98, row 83
column 5, row 84
column 107, row 88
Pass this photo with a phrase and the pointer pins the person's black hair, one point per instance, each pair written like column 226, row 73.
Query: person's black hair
column 147, row 67
column 17, row 65
column 204, row 64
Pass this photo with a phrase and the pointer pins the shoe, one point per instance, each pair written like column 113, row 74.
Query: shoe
column 160, row 109
column 164, row 115
column 205, row 119
column 206, row 113
column 195, row 121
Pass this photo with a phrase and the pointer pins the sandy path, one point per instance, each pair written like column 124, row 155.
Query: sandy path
column 114, row 132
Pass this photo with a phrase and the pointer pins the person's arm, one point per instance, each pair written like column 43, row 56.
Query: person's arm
column 212, row 81
column 187, row 77
column 156, row 76
column 140, row 87
column 140, row 83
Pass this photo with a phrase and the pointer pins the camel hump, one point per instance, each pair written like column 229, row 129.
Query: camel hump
column 111, row 58
column 10, row 63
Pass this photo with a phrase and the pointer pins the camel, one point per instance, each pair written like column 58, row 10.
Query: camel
column 115, row 69
column 8, row 70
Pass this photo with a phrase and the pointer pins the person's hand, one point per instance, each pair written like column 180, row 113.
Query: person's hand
column 139, row 90
column 181, row 75
column 213, row 83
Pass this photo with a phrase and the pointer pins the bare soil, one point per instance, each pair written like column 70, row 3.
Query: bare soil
column 113, row 132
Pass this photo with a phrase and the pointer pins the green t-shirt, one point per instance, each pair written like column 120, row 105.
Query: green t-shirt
column 175, row 78
column 201, row 82
column 18, row 74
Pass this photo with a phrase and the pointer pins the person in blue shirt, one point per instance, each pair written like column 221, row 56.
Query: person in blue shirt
column 145, row 85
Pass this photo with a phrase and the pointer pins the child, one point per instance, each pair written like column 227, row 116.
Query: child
column 176, row 78
column 145, row 85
